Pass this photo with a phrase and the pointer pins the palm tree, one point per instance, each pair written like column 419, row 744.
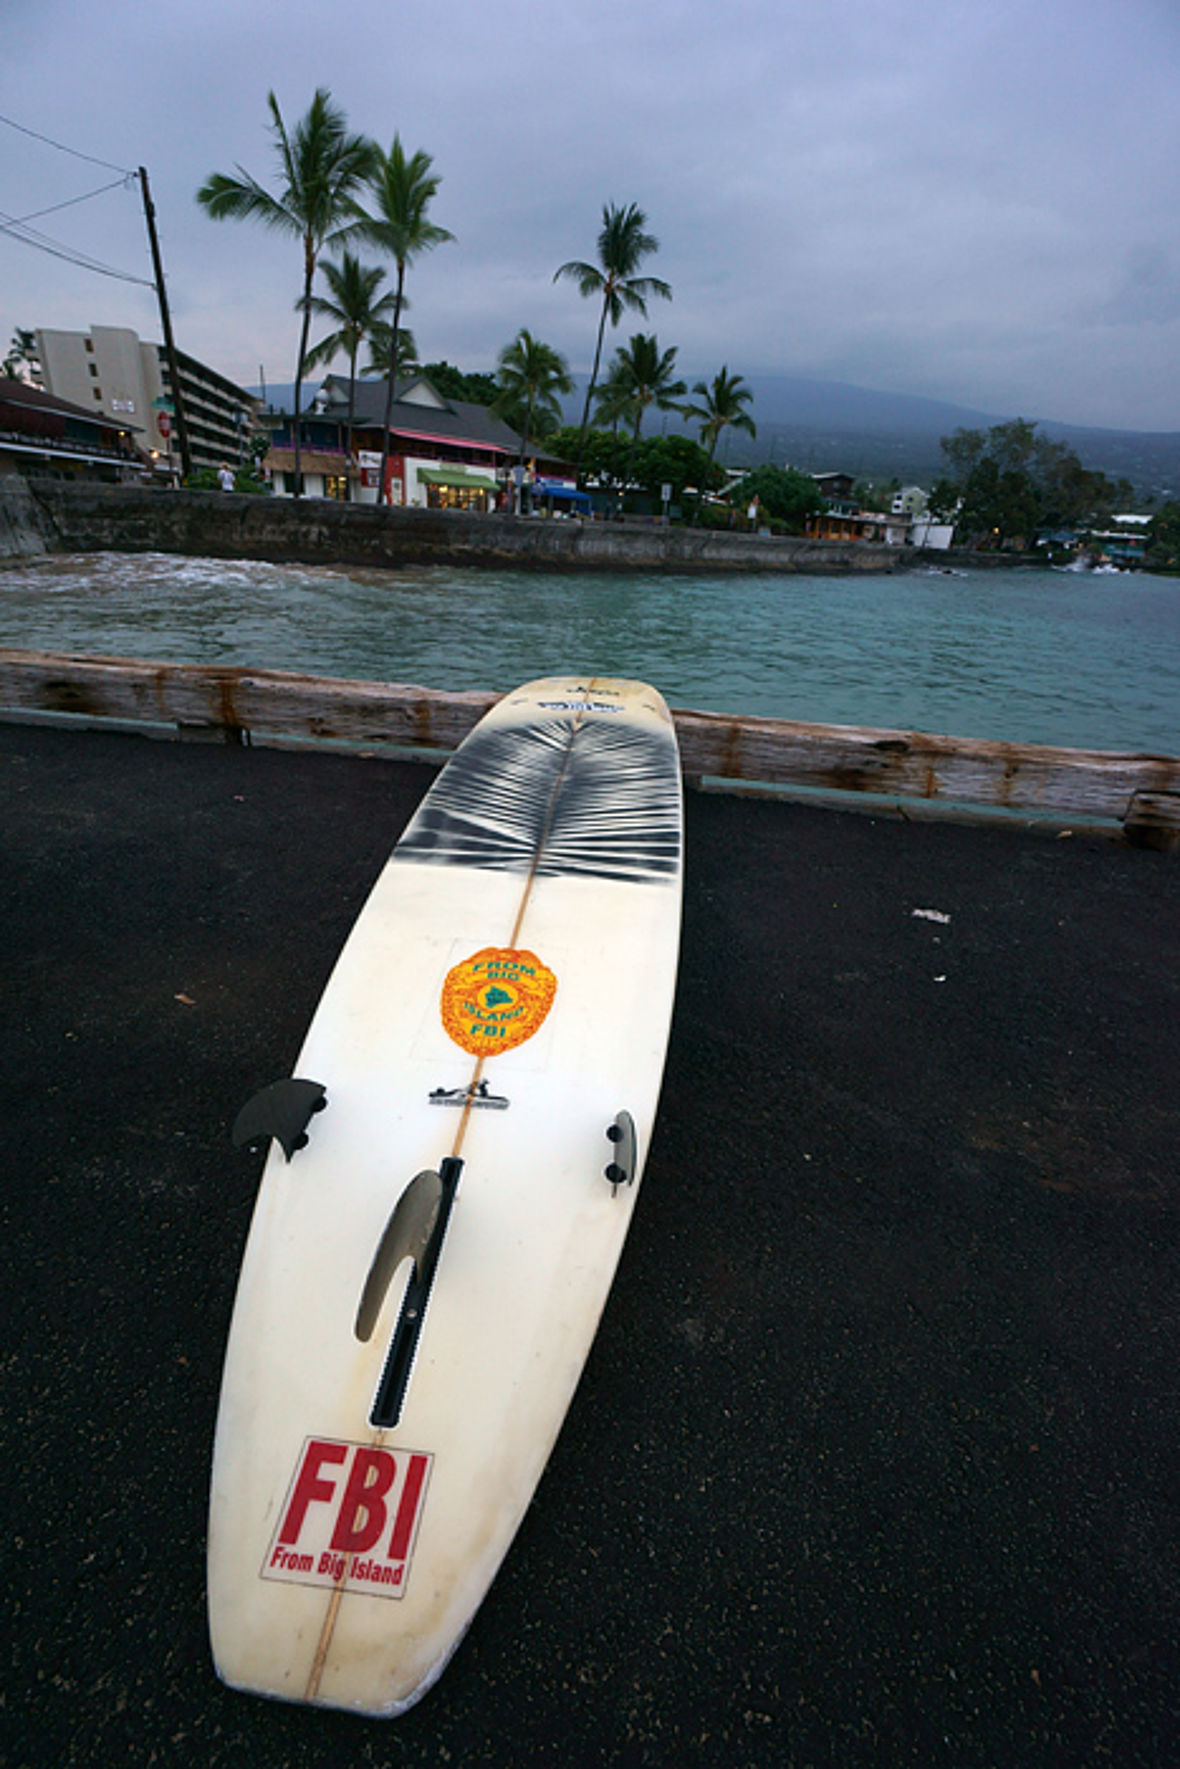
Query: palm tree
column 531, row 376
column 612, row 396
column 381, row 349
column 720, row 409
column 648, row 376
column 22, row 362
column 402, row 189
column 622, row 246
column 358, row 312
column 321, row 166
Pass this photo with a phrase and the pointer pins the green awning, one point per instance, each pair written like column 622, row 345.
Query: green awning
column 464, row 477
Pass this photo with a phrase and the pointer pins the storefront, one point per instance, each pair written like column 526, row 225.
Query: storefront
column 454, row 487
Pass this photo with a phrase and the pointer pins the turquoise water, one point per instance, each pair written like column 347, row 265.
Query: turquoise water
column 1084, row 659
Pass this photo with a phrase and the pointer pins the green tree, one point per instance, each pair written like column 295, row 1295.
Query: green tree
column 1007, row 482
column 721, row 406
column 647, row 376
column 604, row 452
column 944, row 500
column 357, row 311
column 677, row 461
column 321, row 167
column 612, row 396
column 1163, row 542
column 783, row 494
column 403, row 188
column 623, row 244
column 476, row 388
column 381, row 350
column 531, row 376
column 876, row 494
column 22, row 362
column 245, row 479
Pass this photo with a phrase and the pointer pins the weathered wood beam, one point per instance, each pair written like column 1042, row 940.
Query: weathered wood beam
column 233, row 702
column 915, row 764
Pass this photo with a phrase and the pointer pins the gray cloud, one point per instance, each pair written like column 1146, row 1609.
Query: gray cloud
column 972, row 202
column 1148, row 292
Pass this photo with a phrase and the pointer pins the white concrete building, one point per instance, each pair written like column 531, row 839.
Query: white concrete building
column 110, row 370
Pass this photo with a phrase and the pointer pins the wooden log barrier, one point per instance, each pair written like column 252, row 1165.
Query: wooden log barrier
column 260, row 705
column 235, row 703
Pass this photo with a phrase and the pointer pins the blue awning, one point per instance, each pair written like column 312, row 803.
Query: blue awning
column 557, row 488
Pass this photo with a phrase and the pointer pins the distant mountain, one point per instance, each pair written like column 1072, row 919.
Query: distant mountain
column 799, row 403
column 828, row 426
column 831, row 426
column 279, row 396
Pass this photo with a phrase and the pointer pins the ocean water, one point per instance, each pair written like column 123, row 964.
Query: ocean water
column 1084, row 659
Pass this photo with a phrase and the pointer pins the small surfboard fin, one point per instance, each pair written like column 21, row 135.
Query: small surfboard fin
column 406, row 1236
column 625, row 1156
column 395, row 1376
column 282, row 1110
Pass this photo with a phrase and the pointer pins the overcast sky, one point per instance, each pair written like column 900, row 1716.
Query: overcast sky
column 974, row 200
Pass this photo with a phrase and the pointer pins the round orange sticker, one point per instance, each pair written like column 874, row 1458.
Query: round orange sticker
column 496, row 999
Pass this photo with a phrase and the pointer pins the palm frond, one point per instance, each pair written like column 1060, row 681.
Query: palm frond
column 647, row 286
column 589, row 279
column 402, row 188
column 244, row 199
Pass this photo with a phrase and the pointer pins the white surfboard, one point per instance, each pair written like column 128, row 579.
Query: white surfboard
column 431, row 1251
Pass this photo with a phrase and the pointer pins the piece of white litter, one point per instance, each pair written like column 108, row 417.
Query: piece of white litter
column 932, row 915
column 941, row 979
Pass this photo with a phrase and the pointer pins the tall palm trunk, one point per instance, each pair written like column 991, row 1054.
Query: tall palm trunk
column 696, row 515
column 524, row 449
column 382, row 494
column 356, row 344
column 631, row 457
column 308, row 279
column 591, row 387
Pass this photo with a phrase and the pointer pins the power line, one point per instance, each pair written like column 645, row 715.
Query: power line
column 42, row 243
column 116, row 184
column 17, row 228
column 62, row 148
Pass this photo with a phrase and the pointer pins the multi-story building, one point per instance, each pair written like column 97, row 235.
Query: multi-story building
column 109, row 370
column 444, row 453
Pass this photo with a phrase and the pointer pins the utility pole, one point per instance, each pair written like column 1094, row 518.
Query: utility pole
column 186, row 459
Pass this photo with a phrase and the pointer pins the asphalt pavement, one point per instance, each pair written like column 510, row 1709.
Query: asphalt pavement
column 876, row 1458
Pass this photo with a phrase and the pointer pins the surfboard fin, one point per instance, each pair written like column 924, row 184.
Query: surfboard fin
column 625, row 1160
column 281, row 1110
column 395, row 1377
column 406, row 1236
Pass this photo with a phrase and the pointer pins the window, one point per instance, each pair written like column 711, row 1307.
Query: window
column 456, row 497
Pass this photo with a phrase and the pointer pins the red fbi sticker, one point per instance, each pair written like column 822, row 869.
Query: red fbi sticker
column 350, row 1518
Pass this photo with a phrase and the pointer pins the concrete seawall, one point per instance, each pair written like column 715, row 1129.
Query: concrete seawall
column 26, row 528
column 39, row 515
